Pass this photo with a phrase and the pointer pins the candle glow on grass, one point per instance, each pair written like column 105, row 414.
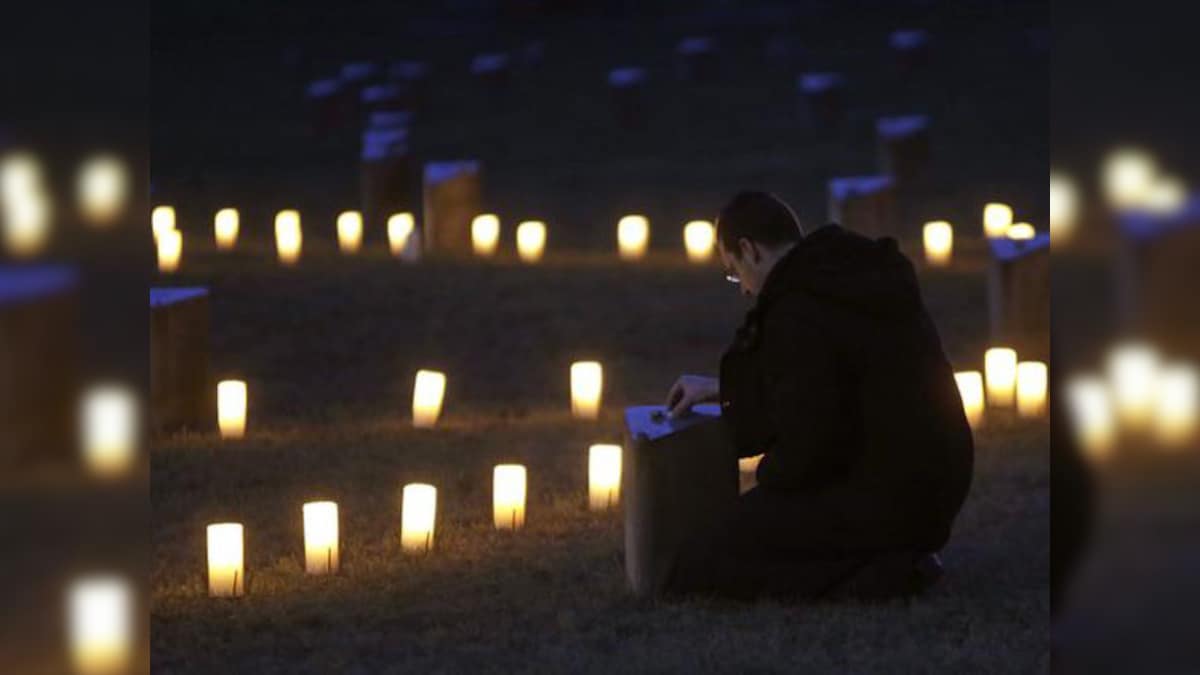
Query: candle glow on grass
column 289, row 239
column 400, row 230
column 531, row 240
column 429, row 390
column 231, row 409
column 939, row 243
column 226, row 569
column 997, row 218
column 587, row 389
column 699, row 238
column 321, row 538
column 418, row 518
column 350, row 232
column 633, row 237
column 1032, row 384
column 109, row 423
column 485, row 234
column 1000, row 369
column 508, row 496
column 169, row 245
column 604, row 476
column 226, row 224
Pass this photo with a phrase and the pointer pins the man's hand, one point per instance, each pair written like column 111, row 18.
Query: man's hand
column 690, row 390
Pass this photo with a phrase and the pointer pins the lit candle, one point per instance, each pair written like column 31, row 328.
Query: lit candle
column 226, row 573
column 225, row 228
column 1166, row 196
column 1021, row 232
column 419, row 513
column 162, row 219
column 997, row 218
column 1064, row 207
column 604, row 476
column 1032, row 382
column 1000, row 369
column 749, row 464
column 110, row 429
column 485, row 234
column 349, row 231
column 103, row 187
column 1178, row 404
column 587, row 389
column 699, row 236
column 321, row 537
column 231, row 409
column 26, row 222
column 1092, row 415
column 1128, row 177
column 400, row 228
column 939, row 243
column 170, row 250
column 288, row 237
column 633, row 235
column 100, row 625
column 1133, row 374
column 970, row 390
column 531, row 240
column 428, row 392
column 508, row 496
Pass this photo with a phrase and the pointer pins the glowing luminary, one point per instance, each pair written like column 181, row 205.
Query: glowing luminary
column 288, row 237
column 162, row 219
column 25, row 215
column 1000, row 369
column 970, row 390
column 1166, row 196
column 428, row 391
column 508, row 496
column 100, row 625
column 749, row 464
column 1064, row 208
column 1128, row 177
column 320, row 537
column 417, row 519
column 587, row 389
column 231, row 409
column 225, row 228
column 531, row 240
column 1032, row 384
column 997, row 218
column 699, row 237
column 485, row 234
column 1021, row 232
column 1178, row 410
column 109, row 424
column 633, row 237
column 400, row 229
column 169, row 244
column 103, row 187
column 604, row 476
column 1092, row 415
column 939, row 243
column 1133, row 370
column 226, row 572
column 349, row 231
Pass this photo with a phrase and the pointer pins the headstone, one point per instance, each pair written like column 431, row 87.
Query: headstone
column 678, row 477
column 1019, row 295
column 904, row 148
column 391, row 97
column 493, row 71
column 628, row 86
column 911, row 49
column 182, row 396
column 329, row 109
column 865, row 204
column 824, row 97
column 1157, row 275
column 388, row 175
column 453, row 196
column 360, row 74
column 415, row 76
column 697, row 59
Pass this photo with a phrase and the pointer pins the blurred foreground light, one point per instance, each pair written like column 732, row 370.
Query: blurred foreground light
column 997, row 218
column 1092, row 417
column 1000, row 368
column 231, row 409
column 1032, row 384
column 939, row 243
column 20, row 176
column 587, row 389
column 350, row 232
column 699, row 237
column 1021, row 232
column 531, row 240
column 604, row 476
column 1178, row 407
column 226, row 224
column 1166, row 196
column 429, row 389
column 226, row 571
column 26, row 221
column 1064, row 207
column 1128, row 176
column 749, row 464
column 970, row 390
column 101, row 625
column 103, row 187
column 485, row 234
column 162, row 219
column 169, row 244
column 320, row 537
column 633, row 236
column 417, row 518
column 109, row 426
column 508, row 496
column 288, row 238
column 1133, row 370
column 400, row 228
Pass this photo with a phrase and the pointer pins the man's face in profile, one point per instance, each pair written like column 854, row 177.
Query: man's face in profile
column 739, row 269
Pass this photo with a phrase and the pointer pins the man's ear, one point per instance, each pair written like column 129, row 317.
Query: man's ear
column 748, row 250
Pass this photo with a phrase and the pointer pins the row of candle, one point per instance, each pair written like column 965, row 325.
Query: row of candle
column 1006, row 383
column 937, row 236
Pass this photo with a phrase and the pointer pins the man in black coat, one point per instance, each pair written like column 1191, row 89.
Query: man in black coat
column 839, row 377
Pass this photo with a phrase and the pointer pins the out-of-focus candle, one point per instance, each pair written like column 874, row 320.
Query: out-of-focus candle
column 226, row 572
column 1064, row 207
column 1133, row 370
column 587, row 389
column 997, row 218
column 428, row 391
column 939, row 243
column 170, row 250
column 1032, row 383
column 1000, row 369
column 162, row 219
column 1166, row 196
column 103, row 187
column 349, row 231
column 508, row 496
column 1092, row 415
column 604, row 476
column 419, row 514
column 633, row 236
column 531, row 240
column 1128, row 177
column 699, row 237
column 225, row 228
column 288, row 237
column 320, row 537
column 231, row 409
column 970, row 390
column 1021, row 232
column 109, row 422
column 25, row 214
column 485, row 234
column 400, row 229
column 100, row 625
column 1178, row 407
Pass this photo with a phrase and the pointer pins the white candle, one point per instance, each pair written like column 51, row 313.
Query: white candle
column 1064, row 207
column 1128, row 178
column 970, row 390
column 170, row 250
column 939, row 243
column 288, row 237
column 419, row 514
column 1133, row 370
column 226, row 224
column 400, row 229
column 429, row 389
column 531, row 240
column 1021, row 232
column 349, row 232
column 508, row 496
column 1178, row 404
column 604, row 476
column 997, row 218
column 1092, row 415
column 1032, row 384
column 26, row 224
column 101, row 625
column 485, row 234
column 587, row 389
column 321, row 537
column 699, row 237
column 226, row 571
column 1000, row 368
column 633, row 236
column 162, row 219
column 231, row 409
column 103, row 186
column 110, row 429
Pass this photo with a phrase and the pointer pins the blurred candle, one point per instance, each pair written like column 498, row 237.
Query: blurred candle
column 109, row 429
column 1128, row 177
column 162, row 219
column 231, row 409
column 587, row 389
column 288, row 237
column 419, row 513
column 400, row 229
column 1167, row 195
column 633, row 236
column 970, row 390
column 1092, row 415
column 699, row 236
column 1000, row 368
column 939, row 243
column 531, row 240
column 1064, row 207
column 1178, row 404
column 997, row 218
column 604, row 476
column 1021, row 232
column 428, row 391
column 320, row 537
column 485, row 234
column 508, row 496
column 1133, row 374
column 103, row 187
column 170, row 250
column 101, row 625
column 225, row 228
column 26, row 224
column 226, row 573
column 1032, row 383
column 349, row 231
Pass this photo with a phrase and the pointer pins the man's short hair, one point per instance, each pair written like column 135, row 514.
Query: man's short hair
column 760, row 217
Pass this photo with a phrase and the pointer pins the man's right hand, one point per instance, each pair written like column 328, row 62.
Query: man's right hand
column 690, row 390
